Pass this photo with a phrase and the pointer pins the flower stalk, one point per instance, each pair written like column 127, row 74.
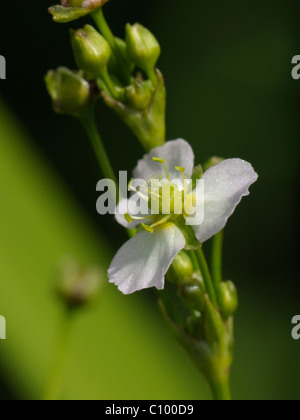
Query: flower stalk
column 104, row 28
column 55, row 378
column 216, row 263
column 89, row 123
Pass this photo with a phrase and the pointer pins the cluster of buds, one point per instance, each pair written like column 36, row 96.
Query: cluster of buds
column 123, row 72
column 206, row 331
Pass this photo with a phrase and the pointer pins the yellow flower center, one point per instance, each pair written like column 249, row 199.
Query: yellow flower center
column 165, row 199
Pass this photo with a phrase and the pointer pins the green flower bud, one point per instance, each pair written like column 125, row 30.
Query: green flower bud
column 182, row 266
column 197, row 174
column 70, row 10
column 209, row 342
column 228, row 299
column 139, row 94
column 70, row 93
column 193, row 324
column 192, row 293
column 78, row 287
column 92, row 52
column 143, row 48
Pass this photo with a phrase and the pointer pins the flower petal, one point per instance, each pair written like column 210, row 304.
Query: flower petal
column 175, row 153
column 225, row 186
column 144, row 260
column 123, row 208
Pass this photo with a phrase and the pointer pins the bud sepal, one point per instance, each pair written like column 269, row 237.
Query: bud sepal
column 143, row 48
column 71, row 94
column 91, row 51
column 70, row 10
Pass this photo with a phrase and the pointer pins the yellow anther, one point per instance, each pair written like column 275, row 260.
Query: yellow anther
column 128, row 218
column 163, row 162
column 147, row 228
column 180, row 169
column 159, row 160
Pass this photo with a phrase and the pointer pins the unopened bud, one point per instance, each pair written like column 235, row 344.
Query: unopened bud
column 197, row 174
column 138, row 95
column 78, row 287
column 69, row 92
column 228, row 299
column 92, row 52
column 193, row 325
column 143, row 48
column 191, row 292
column 182, row 266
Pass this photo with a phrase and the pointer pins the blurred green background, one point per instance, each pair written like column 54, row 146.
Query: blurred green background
column 227, row 67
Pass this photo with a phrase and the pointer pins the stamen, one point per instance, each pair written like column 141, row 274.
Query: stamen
column 161, row 221
column 163, row 163
column 142, row 218
column 138, row 192
column 159, row 160
column 128, row 218
column 182, row 170
column 147, row 228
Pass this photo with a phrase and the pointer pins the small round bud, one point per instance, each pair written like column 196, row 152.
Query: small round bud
column 191, row 293
column 228, row 299
column 92, row 52
column 138, row 95
column 193, row 325
column 197, row 172
column 182, row 266
column 78, row 287
column 69, row 92
column 143, row 48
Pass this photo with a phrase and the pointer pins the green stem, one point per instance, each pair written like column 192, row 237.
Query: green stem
column 54, row 381
column 221, row 389
column 153, row 76
column 100, row 21
column 89, row 123
column 206, row 276
column 111, row 87
column 216, row 263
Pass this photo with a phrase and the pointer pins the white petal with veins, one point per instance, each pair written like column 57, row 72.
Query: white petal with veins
column 145, row 259
column 175, row 153
column 225, row 186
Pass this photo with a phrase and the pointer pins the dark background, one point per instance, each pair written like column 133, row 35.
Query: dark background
column 227, row 67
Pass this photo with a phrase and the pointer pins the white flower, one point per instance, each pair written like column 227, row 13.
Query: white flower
column 145, row 259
